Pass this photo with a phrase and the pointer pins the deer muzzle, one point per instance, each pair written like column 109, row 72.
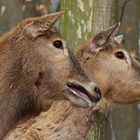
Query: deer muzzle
column 89, row 93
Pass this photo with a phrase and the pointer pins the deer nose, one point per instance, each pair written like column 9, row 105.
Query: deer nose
column 94, row 91
column 98, row 93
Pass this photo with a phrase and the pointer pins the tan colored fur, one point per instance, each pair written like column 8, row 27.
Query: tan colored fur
column 119, row 82
column 55, row 124
column 34, row 71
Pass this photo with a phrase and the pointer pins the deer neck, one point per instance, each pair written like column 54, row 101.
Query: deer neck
column 61, row 118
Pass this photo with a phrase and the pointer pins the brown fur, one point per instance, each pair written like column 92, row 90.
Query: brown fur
column 62, row 121
column 33, row 71
column 119, row 81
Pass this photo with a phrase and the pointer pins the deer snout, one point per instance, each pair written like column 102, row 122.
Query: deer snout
column 98, row 94
column 94, row 91
column 84, row 94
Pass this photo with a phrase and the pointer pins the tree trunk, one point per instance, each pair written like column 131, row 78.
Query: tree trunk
column 78, row 17
column 105, row 13
column 86, row 18
column 125, row 120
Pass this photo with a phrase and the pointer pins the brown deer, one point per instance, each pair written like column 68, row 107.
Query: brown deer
column 37, row 66
column 118, row 75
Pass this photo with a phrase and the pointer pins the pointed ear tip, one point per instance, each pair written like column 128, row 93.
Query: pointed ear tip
column 55, row 16
column 115, row 26
column 62, row 12
column 58, row 14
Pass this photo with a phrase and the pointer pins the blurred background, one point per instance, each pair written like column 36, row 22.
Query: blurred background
column 124, row 122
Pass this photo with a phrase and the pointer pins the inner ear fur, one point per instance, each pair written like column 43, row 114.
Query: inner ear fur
column 39, row 25
column 103, row 37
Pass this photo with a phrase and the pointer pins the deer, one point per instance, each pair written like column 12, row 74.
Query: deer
column 37, row 67
column 112, row 67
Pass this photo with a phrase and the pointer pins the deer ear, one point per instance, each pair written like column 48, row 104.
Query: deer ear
column 42, row 24
column 119, row 39
column 94, row 48
column 99, row 41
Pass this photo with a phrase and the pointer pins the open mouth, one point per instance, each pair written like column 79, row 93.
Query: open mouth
column 81, row 92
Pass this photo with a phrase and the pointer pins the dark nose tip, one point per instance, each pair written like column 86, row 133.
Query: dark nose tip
column 98, row 95
column 97, row 90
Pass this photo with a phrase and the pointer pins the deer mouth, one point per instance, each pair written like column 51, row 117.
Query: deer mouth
column 80, row 92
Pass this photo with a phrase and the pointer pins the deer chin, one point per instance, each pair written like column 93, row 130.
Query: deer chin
column 79, row 96
column 103, row 106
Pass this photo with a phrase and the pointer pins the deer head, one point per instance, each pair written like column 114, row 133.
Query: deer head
column 113, row 68
column 37, row 65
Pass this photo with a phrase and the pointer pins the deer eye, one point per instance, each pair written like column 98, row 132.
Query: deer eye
column 58, row 44
column 120, row 55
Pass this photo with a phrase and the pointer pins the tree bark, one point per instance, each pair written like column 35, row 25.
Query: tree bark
column 77, row 23
column 125, row 123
